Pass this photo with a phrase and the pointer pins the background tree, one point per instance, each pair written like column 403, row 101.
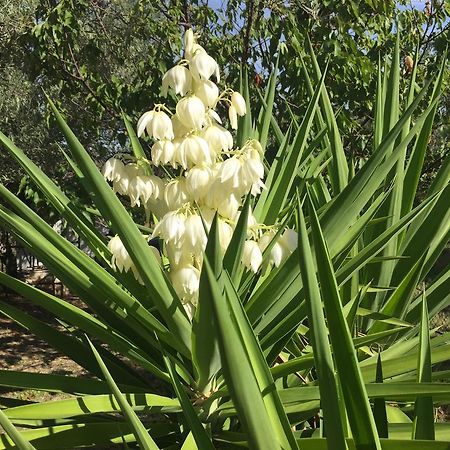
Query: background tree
column 96, row 58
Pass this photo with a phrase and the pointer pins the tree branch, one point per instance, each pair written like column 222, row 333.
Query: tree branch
column 248, row 31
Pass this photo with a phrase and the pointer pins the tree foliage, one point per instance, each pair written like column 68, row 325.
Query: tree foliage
column 97, row 58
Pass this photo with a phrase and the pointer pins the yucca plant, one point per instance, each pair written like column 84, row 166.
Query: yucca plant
column 257, row 341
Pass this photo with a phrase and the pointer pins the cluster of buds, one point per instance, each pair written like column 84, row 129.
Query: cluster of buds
column 205, row 175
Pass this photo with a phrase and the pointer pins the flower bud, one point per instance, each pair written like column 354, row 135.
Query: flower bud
column 232, row 115
column 189, row 41
column 239, row 103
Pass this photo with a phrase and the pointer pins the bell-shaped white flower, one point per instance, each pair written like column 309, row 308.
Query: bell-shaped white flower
column 157, row 124
column 207, row 92
column 193, row 150
column 194, row 234
column 113, row 169
column 177, row 78
column 120, row 259
column 225, row 234
column 252, row 174
column 218, row 138
column 185, row 281
column 153, row 188
column 289, row 240
column 179, row 129
column 161, row 126
column 239, row 103
column 217, row 193
column 176, row 254
column 251, row 256
column 191, row 112
column 135, row 189
column 143, row 121
column 144, row 188
column 203, row 66
column 230, row 172
column 130, row 171
column 257, row 187
column 175, row 193
column 232, row 115
column 198, row 181
column 276, row 252
column 253, row 169
column 229, row 207
column 171, row 227
column 163, row 152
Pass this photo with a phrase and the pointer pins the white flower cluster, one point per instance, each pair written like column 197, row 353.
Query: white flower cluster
column 208, row 175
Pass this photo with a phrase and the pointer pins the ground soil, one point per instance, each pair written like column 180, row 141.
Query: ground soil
column 22, row 351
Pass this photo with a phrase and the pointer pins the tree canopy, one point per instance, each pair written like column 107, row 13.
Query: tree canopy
column 99, row 58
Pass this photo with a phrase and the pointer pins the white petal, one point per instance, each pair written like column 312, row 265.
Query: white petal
column 232, row 115
column 145, row 119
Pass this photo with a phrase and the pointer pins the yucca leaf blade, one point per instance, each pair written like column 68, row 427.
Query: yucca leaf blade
column 145, row 440
column 332, row 412
column 424, row 412
column 355, row 396
column 19, row 440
